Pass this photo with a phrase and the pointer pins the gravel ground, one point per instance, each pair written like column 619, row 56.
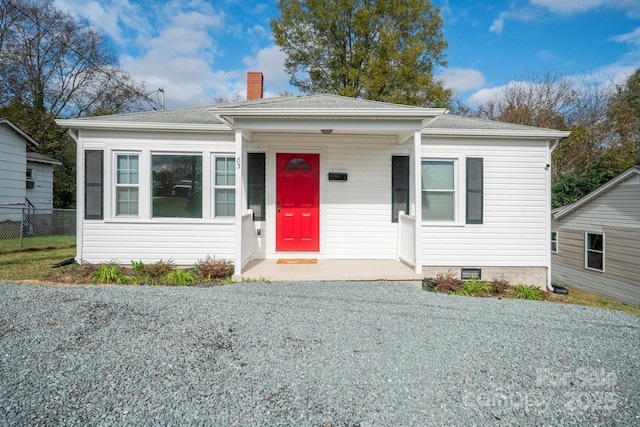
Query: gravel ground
column 317, row 354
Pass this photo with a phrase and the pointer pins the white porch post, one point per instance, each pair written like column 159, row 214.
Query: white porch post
column 417, row 196
column 238, row 208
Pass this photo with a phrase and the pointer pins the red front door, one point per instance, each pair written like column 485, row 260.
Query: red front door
column 298, row 202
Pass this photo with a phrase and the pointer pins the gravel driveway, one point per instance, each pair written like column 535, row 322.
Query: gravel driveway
column 318, row 354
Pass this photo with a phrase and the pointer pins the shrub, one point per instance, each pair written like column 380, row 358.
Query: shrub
column 111, row 273
column 179, row 278
column 499, row 286
column 213, row 269
column 523, row 291
column 475, row 288
column 154, row 273
column 447, row 282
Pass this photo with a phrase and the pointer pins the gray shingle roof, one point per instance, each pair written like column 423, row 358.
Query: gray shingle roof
column 192, row 115
column 452, row 121
column 313, row 101
column 40, row 158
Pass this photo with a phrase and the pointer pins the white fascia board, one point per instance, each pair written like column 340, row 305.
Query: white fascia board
column 397, row 113
column 289, row 124
column 96, row 124
column 498, row 133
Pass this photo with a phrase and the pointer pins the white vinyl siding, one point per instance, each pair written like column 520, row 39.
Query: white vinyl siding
column 41, row 195
column 13, row 167
column 513, row 232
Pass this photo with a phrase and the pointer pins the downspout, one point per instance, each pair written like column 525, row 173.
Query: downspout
column 548, row 211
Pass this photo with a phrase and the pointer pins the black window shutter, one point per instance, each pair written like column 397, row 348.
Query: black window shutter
column 93, row 184
column 256, row 185
column 399, row 186
column 475, row 190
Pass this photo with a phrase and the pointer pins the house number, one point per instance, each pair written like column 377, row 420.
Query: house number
column 237, row 162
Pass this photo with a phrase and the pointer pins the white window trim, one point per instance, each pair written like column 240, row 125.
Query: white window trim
column 556, row 241
column 115, row 185
column 586, row 251
column 459, row 185
column 215, row 187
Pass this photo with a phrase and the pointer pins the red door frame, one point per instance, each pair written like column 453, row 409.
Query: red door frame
column 298, row 202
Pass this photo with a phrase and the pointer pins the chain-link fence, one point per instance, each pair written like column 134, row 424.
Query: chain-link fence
column 29, row 228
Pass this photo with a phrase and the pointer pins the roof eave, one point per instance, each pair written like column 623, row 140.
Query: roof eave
column 395, row 113
column 153, row 126
column 503, row 133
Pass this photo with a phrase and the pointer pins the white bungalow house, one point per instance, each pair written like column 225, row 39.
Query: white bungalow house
column 596, row 240
column 26, row 182
column 323, row 177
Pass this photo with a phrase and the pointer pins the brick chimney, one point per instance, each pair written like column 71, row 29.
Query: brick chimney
column 254, row 85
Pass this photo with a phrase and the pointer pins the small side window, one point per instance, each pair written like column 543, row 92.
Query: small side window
column 399, row 186
column 554, row 242
column 594, row 251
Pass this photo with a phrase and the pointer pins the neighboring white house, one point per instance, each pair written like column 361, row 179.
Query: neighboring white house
column 316, row 176
column 26, row 181
column 596, row 240
column 26, row 177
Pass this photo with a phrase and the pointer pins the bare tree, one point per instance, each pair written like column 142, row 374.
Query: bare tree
column 59, row 66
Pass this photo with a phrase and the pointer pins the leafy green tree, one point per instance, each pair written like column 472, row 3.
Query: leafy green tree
column 381, row 50
column 624, row 120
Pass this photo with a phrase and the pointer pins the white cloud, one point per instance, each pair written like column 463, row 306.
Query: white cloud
column 498, row 24
column 484, row 95
column 566, row 7
column 525, row 14
column 569, row 6
column 462, row 79
column 633, row 37
column 270, row 61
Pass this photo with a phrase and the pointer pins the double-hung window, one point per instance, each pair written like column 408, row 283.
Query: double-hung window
column 127, row 184
column 439, row 190
column 224, row 187
column 594, row 251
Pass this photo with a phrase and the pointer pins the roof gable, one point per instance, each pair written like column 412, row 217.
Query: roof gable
column 633, row 171
column 19, row 131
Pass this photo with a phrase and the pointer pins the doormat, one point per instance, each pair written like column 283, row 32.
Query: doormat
column 297, row 261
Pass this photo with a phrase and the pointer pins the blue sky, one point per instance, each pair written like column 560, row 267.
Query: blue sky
column 197, row 50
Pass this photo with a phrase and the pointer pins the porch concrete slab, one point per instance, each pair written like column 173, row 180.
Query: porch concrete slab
column 330, row 270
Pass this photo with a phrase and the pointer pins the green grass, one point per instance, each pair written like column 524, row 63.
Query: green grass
column 33, row 243
column 591, row 300
column 32, row 264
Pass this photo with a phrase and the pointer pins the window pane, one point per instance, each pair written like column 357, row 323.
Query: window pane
column 126, row 201
column 594, row 260
column 437, row 175
column 225, row 171
column 554, row 247
column 176, row 183
column 298, row 164
column 438, row 206
column 127, row 169
column 595, row 241
column 225, row 202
